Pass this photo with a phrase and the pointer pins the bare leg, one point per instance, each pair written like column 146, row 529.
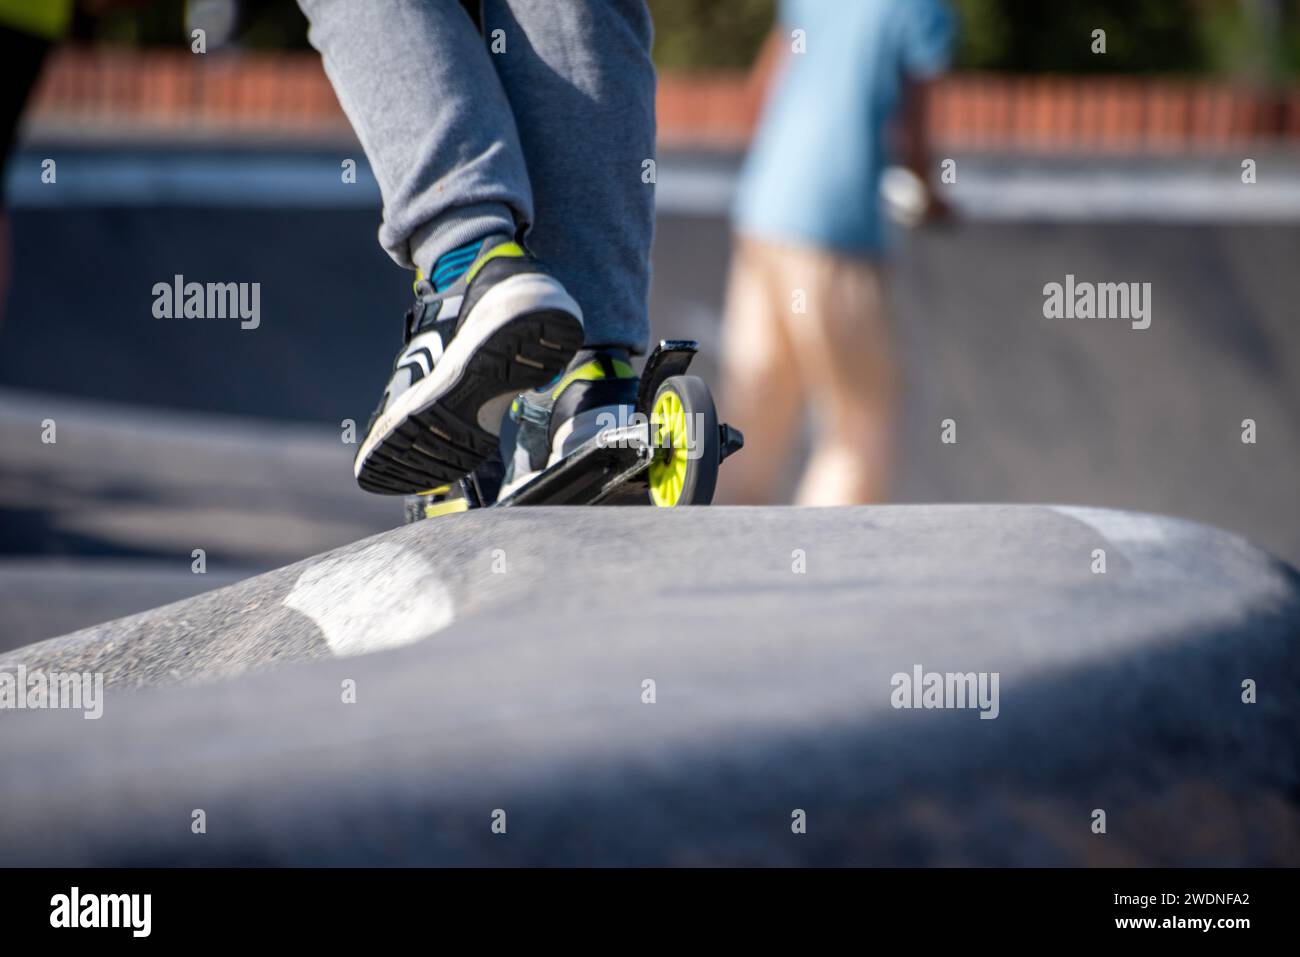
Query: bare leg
column 760, row 392
column 848, row 368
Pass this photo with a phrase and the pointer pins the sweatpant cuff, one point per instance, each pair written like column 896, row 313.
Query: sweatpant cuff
column 456, row 227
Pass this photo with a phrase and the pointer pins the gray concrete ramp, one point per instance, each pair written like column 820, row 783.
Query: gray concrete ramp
column 501, row 663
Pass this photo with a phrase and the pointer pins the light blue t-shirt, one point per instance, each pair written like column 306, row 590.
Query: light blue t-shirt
column 813, row 171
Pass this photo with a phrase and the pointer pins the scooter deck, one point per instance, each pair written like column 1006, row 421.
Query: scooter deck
column 611, row 469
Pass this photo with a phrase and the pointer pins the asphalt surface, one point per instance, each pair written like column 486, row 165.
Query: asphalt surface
column 499, row 659
column 105, row 521
column 512, row 680
column 57, row 595
column 1093, row 413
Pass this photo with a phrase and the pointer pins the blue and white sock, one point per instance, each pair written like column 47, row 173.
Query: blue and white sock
column 452, row 265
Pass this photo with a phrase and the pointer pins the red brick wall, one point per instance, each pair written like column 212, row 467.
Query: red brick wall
column 288, row 95
column 1107, row 114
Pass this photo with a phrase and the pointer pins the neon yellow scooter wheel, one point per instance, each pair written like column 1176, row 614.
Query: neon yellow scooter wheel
column 685, row 423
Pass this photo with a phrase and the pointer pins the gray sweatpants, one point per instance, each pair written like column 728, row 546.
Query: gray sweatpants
column 545, row 121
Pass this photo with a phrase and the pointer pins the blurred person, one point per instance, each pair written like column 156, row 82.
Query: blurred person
column 501, row 137
column 804, row 326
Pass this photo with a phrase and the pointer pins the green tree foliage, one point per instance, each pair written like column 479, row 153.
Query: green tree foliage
column 710, row 34
column 1259, row 39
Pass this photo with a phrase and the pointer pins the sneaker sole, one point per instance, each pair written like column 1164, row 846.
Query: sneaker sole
column 521, row 335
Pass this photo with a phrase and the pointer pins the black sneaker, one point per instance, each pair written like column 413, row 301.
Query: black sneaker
column 597, row 391
column 505, row 325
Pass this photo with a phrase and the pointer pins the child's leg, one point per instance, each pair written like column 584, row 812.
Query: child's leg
column 418, row 86
column 581, row 84
column 846, row 361
column 761, row 394
column 489, row 320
